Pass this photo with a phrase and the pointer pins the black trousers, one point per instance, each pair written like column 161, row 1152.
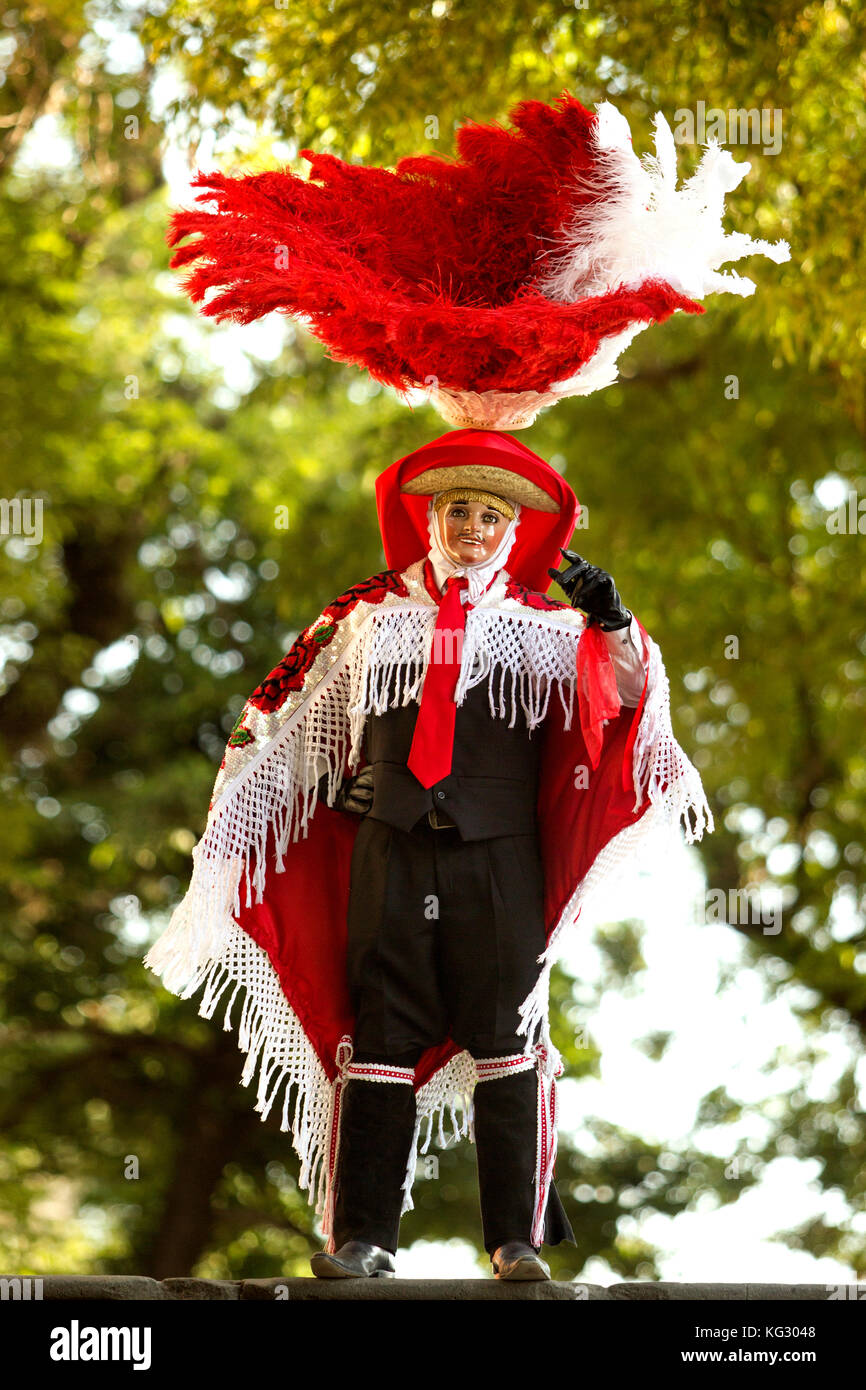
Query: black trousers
column 443, row 941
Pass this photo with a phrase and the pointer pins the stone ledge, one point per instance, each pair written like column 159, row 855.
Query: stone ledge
column 138, row 1288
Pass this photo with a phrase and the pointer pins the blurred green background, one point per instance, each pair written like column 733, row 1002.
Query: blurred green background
column 163, row 590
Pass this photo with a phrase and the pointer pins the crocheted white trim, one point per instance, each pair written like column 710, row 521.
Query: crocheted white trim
column 449, row 1089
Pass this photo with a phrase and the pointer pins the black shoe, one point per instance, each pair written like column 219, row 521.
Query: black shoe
column 517, row 1260
column 354, row 1260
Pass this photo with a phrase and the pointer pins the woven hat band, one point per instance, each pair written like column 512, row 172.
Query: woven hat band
column 474, row 494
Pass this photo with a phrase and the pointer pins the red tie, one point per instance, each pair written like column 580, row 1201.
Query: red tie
column 433, row 744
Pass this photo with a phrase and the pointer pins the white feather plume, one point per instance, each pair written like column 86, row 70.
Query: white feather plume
column 636, row 225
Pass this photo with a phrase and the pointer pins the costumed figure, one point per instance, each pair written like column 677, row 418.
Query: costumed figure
column 420, row 800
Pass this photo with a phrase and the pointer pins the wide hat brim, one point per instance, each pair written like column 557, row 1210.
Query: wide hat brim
column 502, row 482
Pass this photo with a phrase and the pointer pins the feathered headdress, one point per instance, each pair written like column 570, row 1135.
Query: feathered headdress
column 498, row 282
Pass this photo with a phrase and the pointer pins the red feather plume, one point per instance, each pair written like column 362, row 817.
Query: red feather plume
column 425, row 271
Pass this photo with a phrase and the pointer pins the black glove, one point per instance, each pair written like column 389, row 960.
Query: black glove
column 593, row 591
column 354, row 795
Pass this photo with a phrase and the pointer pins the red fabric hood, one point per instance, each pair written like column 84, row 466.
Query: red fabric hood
column 403, row 516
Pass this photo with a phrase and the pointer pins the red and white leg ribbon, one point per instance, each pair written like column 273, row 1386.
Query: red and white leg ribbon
column 546, row 1140
column 381, row 1071
column 348, row 1070
column 343, row 1058
column 488, row 1069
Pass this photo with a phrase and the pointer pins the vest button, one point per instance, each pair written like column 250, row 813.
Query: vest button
column 441, row 796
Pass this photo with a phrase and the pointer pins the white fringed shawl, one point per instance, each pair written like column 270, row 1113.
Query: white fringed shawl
column 268, row 787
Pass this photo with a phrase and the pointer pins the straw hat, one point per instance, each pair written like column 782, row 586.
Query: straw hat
column 501, row 482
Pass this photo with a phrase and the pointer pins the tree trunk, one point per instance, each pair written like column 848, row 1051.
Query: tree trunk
column 211, row 1138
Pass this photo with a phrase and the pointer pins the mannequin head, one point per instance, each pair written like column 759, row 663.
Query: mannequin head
column 471, row 531
column 472, row 524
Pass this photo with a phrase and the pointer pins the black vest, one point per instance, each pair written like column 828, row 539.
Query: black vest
column 493, row 784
